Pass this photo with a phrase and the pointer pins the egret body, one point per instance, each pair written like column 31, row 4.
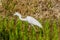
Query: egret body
column 29, row 19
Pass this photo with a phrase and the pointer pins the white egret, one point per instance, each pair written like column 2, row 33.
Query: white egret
column 29, row 19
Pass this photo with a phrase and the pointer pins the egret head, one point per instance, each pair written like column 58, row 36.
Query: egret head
column 17, row 14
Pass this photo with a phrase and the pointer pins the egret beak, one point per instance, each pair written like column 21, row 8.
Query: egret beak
column 14, row 14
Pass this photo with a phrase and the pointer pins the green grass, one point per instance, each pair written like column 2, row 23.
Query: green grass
column 55, row 31
column 47, row 30
column 11, row 29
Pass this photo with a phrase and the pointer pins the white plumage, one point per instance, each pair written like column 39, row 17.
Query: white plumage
column 29, row 19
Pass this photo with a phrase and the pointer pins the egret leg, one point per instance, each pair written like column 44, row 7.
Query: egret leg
column 33, row 27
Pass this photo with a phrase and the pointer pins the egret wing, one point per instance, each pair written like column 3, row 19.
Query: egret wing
column 33, row 21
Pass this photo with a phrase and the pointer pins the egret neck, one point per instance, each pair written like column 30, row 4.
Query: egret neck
column 23, row 19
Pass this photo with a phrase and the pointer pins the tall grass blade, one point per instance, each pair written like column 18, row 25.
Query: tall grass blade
column 55, row 31
column 47, row 30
